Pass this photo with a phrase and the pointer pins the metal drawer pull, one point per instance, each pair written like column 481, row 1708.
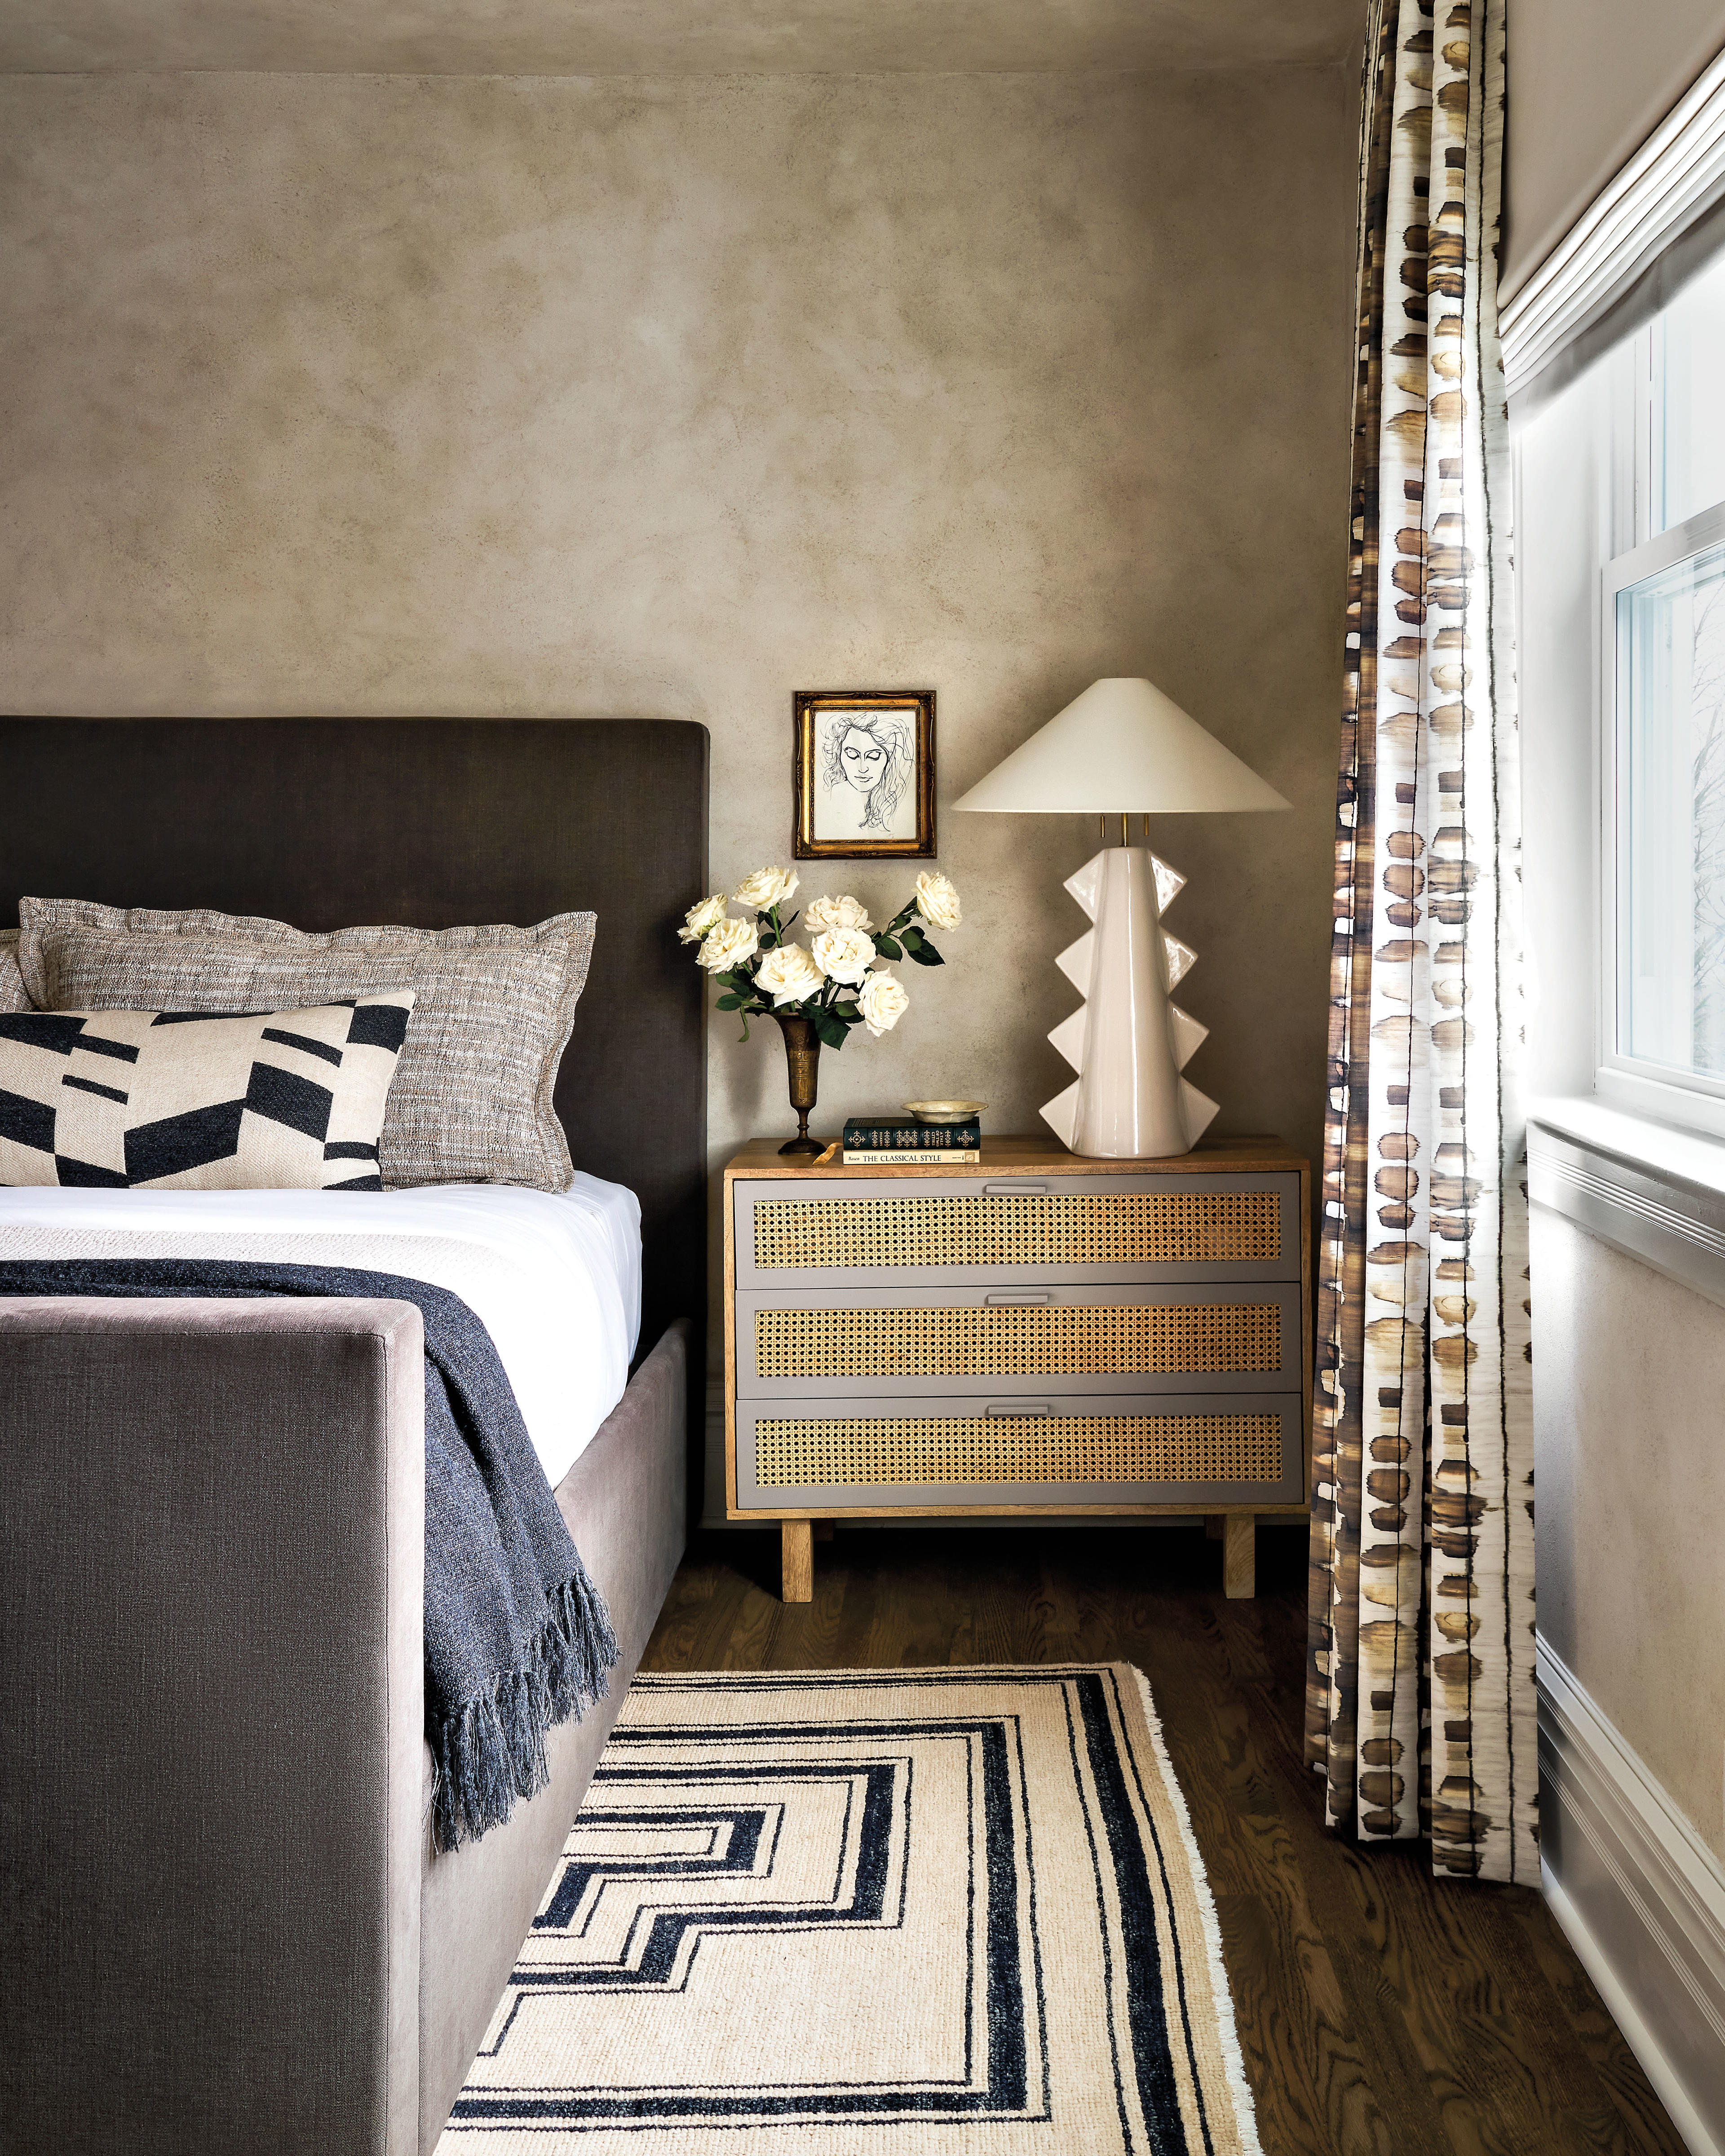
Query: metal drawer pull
column 1033, row 1301
column 1016, row 1410
column 1014, row 1190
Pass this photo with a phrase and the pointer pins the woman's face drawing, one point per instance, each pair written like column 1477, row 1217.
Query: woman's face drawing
column 862, row 759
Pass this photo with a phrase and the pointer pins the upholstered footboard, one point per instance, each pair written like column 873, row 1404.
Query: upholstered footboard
column 625, row 1500
column 219, row 1927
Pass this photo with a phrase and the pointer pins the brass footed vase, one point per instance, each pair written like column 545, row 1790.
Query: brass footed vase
column 802, row 1055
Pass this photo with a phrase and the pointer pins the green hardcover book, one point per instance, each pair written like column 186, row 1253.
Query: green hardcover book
column 905, row 1134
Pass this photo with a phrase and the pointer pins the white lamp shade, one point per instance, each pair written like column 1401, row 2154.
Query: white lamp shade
column 1123, row 746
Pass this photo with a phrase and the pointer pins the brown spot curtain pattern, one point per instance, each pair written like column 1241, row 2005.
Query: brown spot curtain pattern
column 1420, row 1700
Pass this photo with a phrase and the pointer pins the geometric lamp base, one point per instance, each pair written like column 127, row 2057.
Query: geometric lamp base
column 1127, row 1042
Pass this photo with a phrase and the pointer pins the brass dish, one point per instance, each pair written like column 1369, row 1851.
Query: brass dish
column 943, row 1112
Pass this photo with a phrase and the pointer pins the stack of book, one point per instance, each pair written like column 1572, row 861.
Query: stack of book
column 901, row 1141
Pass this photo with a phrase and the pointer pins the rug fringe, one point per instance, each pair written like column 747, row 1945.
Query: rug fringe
column 1245, row 2110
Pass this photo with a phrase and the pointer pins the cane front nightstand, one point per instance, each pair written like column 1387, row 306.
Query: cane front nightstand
column 1038, row 1334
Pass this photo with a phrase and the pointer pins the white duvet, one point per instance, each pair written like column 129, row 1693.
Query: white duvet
column 555, row 1277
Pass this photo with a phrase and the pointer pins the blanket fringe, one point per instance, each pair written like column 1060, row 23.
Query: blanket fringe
column 493, row 1751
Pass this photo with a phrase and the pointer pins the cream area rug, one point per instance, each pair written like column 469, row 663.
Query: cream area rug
column 855, row 1913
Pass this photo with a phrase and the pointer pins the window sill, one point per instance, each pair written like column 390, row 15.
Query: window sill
column 1649, row 1189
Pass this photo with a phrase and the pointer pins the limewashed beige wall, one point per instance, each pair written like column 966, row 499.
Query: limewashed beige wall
column 1630, row 1373
column 674, row 37
column 379, row 394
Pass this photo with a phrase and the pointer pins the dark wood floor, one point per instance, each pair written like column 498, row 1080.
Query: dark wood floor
column 1381, row 2013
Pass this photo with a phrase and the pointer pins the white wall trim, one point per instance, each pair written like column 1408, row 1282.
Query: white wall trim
column 1624, row 2011
column 1673, row 179
column 1656, row 1193
column 1641, row 1897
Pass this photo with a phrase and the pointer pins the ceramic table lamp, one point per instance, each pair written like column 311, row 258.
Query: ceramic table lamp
column 1123, row 748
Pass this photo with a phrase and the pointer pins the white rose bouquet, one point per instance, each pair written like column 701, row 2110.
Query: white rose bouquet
column 834, row 980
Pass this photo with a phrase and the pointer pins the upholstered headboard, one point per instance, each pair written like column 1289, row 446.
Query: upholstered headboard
column 328, row 823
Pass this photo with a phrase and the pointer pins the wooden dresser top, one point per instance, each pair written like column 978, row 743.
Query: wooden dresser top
column 761, row 1158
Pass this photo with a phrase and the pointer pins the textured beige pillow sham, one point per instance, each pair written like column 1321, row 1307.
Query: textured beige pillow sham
column 472, row 1097
column 12, row 982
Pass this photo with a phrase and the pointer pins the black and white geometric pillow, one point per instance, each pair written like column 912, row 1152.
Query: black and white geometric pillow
column 183, row 1100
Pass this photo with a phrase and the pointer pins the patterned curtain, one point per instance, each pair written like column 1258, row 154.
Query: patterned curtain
column 1420, row 1702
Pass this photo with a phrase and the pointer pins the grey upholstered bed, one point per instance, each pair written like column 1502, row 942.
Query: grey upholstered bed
column 222, row 1925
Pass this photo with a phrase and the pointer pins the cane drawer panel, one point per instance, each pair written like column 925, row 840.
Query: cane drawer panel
column 1070, row 1227
column 937, row 1342
column 1062, row 1449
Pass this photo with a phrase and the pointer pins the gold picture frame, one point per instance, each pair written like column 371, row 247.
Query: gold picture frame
column 864, row 774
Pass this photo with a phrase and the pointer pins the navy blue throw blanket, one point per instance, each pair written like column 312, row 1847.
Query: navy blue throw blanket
column 517, row 1638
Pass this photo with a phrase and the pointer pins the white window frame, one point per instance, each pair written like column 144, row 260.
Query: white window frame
column 1620, row 1080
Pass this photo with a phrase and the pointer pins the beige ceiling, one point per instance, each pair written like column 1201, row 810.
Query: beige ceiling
column 671, row 37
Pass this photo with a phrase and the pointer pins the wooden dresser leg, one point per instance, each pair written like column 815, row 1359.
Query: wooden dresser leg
column 1239, row 1538
column 797, row 1559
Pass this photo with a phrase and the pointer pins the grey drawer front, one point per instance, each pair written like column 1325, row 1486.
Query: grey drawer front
column 867, row 1233
column 1137, row 1449
column 946, row 1342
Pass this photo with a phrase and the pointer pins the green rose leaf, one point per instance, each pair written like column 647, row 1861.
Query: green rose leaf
column 729, row 1003
column 831, row 1029
column 887, row 948
column 925, row 954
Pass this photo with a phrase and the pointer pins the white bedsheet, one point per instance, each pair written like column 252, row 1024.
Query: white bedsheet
column 555, row 1277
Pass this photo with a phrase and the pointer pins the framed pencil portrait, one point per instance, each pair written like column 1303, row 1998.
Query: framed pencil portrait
column 864, row 773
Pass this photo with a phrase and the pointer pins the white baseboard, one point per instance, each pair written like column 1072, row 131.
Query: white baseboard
column 1640, row 1898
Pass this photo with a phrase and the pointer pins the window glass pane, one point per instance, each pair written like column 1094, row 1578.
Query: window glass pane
column 1689, row 426
column 1670, row 656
